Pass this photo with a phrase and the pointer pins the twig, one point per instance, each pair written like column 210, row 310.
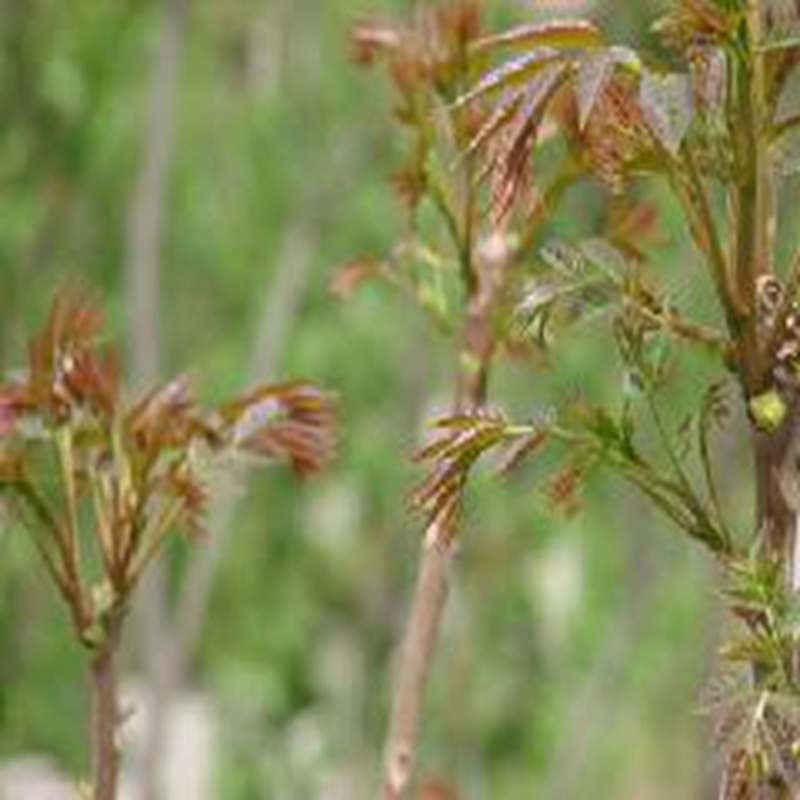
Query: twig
column 105, row 714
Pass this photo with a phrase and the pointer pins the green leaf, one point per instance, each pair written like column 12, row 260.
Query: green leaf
column 668, row 107
column 560, row 33
column 594, row 74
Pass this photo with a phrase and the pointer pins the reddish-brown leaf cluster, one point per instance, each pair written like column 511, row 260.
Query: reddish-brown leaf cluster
column 696, row 23
column 519, row 94
column 292, row 422
column 142, row 469
column 67, row 373
column 616, row 135
column 428, row 62
column 460, row 441
column 426, row 49
column 563, row 490
column 594, row 95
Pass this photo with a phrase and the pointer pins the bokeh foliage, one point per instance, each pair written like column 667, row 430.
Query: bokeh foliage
column 575, row 648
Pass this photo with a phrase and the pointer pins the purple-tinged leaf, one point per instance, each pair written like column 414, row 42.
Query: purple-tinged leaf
column 510, row 74
column 294, row 422
column 519, row 449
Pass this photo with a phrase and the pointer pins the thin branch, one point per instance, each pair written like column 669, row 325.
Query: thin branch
column 430, row 593
column 49, row 561
column 72, row 537
column 711, row 484
column 68, row 579
column 102, row 522
column 419, row 642
column 687, row 329
column 705, row 233
column 152, row 541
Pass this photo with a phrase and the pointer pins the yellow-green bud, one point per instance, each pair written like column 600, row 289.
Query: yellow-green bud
column 768, row 410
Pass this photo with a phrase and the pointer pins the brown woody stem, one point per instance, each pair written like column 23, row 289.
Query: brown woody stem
column 105, row 714
column 430, row 594
column 418, row 645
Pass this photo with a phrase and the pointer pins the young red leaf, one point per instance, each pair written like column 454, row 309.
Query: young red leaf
column 512, row 73
column 292, row 421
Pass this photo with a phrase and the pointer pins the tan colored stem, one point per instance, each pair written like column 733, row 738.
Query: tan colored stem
column 105, row 717
column 419, row 643
column 485, row 269
column 430, row 594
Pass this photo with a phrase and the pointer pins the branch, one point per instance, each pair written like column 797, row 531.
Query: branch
column 687, row 329
column 430, row 593
column 705, row 234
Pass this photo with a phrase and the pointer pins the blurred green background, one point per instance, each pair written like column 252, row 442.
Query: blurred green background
column 203, row 167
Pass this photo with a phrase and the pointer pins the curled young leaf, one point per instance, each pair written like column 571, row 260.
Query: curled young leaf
column 460, row 441
column 293, row 422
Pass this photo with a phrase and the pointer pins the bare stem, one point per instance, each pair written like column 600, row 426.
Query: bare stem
column 105, row 715
column 430, row 593
column 417, row 650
